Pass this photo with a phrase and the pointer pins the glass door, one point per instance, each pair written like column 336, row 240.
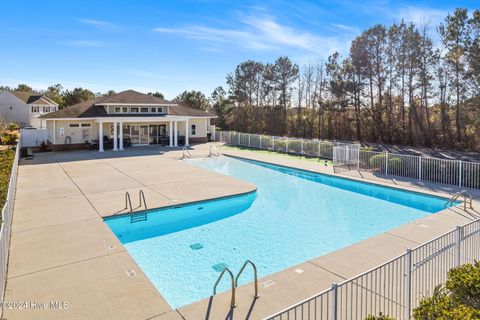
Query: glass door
column 153, row 129
column 144, row 134
column 135, row 135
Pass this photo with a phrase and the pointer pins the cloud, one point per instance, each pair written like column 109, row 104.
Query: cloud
column 260, row 32
column 103, row 25
column 87, row 44
column 419, row 15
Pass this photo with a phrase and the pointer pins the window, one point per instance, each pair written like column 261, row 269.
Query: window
column 74, row 125
column 143, row 110
column 118, row 110
column 124, row 109
column 85, row 125
column 160, row 110
column 134, row 110
column 153, row 110
column 35, row 109
column 194, row 129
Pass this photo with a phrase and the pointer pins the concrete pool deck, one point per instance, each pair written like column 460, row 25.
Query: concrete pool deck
column 62, row 251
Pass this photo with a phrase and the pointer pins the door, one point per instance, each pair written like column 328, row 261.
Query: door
column 135, row 135
column 144, row 134
column 153, row 129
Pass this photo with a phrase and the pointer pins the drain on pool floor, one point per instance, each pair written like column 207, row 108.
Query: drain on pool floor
column 196, row 246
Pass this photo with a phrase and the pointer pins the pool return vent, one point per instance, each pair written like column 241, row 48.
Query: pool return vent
column 185, row 154
column 234, row 281
column 139, row 216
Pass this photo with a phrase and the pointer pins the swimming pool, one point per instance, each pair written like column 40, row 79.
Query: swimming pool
column 293, row 216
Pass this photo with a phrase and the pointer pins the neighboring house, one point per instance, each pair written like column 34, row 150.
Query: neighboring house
column 25, row 108
column 124, row 119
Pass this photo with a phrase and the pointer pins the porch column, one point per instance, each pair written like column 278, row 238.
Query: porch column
column 170, row 134
column 121, row 135
column 115, row 137
column 54, row 132
column 187, row 132
column 175, row 133
column 100, row 137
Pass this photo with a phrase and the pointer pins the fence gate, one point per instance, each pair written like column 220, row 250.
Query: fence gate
column 345, row 158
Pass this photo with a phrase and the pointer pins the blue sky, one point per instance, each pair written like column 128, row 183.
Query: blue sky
column 171, row 46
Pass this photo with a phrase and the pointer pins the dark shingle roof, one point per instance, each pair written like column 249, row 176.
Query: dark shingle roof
column 93, row 108
column 32, row 97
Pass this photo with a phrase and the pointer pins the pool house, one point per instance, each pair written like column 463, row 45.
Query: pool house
column 126, row 119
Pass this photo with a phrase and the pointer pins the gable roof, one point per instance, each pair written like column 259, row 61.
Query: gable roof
column 30, row 97
column 93, row 108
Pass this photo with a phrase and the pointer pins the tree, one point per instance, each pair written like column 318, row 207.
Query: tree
column 54, row 92
column 221, row 105
column 156, row 94
column 24, row 87
column 77, row 95
column 193, row 99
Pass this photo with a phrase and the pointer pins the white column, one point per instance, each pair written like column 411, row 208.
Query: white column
column 121, row 136
column 170, row 134
column 175, row 133
column 100, row 137
column 115, row 137
column 187, row 132
column 54, row 132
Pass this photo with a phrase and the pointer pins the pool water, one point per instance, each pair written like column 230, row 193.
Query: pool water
column 293, row 216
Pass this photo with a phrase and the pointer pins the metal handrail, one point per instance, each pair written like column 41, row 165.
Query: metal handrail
column 213, row 152
column 232, row 302
column 141, row 197
column 128, row 201
column 186, row 153
column 249, row 262
column 466, row 196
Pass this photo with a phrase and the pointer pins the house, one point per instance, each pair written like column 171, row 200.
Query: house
column 128, row 118
column 25, row 108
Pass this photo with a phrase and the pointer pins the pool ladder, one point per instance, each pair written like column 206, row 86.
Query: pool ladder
column 467, row 199
column 234, row 281
column 185, row 154
column 139, row 216
column 213, row 152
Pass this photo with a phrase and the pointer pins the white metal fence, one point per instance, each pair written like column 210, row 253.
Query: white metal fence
column 306, row 147
column 5, row 230
column 451, row 172
column 395, row 287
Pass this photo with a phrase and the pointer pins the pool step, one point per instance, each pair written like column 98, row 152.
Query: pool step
column 138, row 217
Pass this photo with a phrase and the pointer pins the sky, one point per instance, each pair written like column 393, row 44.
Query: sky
column 172, row 46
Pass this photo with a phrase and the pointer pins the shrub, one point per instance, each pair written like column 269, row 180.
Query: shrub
column 377, row 161
column 464, row 284
column 6, row 162
column 13, row 126
column 9, row 139
column 379, row 317
column 395, row 164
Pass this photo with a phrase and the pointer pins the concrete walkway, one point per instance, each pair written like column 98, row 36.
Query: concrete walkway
column 61, row 250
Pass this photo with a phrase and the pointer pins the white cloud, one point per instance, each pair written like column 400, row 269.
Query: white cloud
column 260, row 33
column 419, row 15
column 104, row 25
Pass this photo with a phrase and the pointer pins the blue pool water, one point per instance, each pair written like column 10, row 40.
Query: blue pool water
column 293, row 216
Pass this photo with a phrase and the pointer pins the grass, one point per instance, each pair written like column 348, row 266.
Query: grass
column 280, row 154
column 6, row 161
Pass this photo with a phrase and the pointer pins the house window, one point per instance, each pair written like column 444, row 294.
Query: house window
column 74, row 125
column 134, row 110
column 194, row 129
column 153, row 110
column 160, row 110
column 118, row 110
column 35, row 109
column 143, row 110
column 85, row 125
column 124, row 109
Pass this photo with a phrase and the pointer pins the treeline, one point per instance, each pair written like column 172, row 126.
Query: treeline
column 395, row 86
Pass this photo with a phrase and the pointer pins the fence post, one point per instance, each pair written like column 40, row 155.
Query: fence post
column 319, row 150
column 408, row 285
column 249, row 140
column 302, row 147
column 286, row 145
column 386, row 163
column 460, row 169
column 273, row 143
column 260, row 141
column 238, row 134
column 458, row 241
column 333, row 307
column 419, row 168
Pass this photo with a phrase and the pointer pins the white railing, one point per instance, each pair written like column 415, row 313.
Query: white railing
column 451, row 172
column 306, row 147
column 6, row 228
column 396, row 287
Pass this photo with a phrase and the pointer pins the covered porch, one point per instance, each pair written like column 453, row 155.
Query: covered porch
column 120, row 134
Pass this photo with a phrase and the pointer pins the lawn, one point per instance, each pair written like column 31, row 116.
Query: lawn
column 280, row 154
column 7, row 157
